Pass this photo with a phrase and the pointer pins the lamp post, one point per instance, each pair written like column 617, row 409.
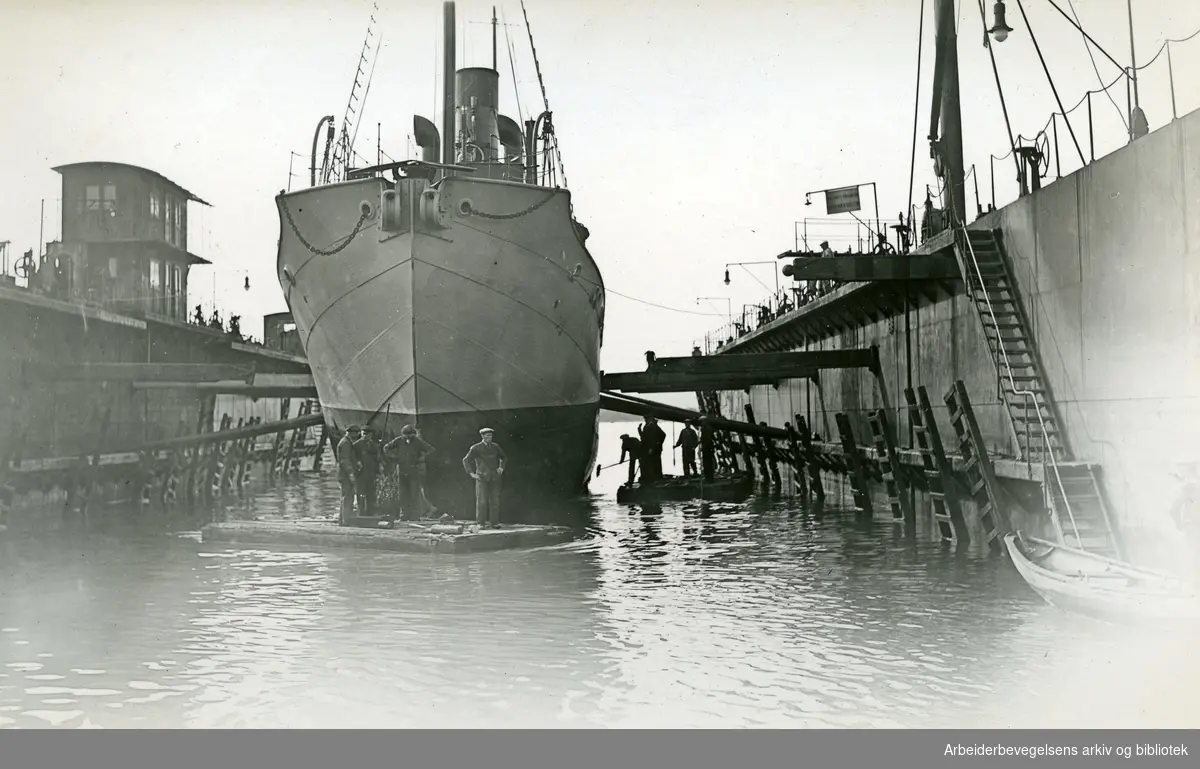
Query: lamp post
column 1000, row 28
column 874, row 195
column 742, row 264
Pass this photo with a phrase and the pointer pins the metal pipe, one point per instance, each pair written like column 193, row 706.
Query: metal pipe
column 312, row 179
column 449, row 62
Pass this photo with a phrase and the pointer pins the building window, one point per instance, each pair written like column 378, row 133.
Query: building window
column 155, row 284
column 167, row 228
column 110, row 197
column 172, row 289
column 93, row 197
column 179, row 225
column 155, row 206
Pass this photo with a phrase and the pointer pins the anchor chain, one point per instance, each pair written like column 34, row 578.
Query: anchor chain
column 349, row 238
column 469, row 209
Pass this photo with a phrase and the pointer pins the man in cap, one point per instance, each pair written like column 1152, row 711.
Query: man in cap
column 409, row 451
column 688, row 441
column 369, row 459
column 485, row 463
column 348, row 468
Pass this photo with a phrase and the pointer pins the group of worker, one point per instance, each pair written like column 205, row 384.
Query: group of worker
column 646, row 450
column 362, row 457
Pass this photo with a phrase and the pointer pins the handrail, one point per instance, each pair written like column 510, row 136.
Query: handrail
column 1028, row 395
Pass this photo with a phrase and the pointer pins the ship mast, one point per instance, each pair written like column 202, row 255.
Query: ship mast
column 494, row 39
column 946, row 146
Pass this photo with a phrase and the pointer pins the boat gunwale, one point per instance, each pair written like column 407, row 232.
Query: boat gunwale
column 1048, row 579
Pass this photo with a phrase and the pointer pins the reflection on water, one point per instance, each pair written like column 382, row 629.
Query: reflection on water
column 674, row 615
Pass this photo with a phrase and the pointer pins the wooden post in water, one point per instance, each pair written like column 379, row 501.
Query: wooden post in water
column 798, row 464
column 746, row 455
column 773, row 453
column 707, row 458
column 814, row 471
column 320, row 452
column 757, row 448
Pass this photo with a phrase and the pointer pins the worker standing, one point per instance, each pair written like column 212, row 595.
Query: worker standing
column 409, row 451
column 370, row 458
column 485, row 463
column 631, row 447
column 347, row 459
column 688, row 441
column 653, row 438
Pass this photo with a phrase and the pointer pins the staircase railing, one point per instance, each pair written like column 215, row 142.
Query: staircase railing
column 1029, row 395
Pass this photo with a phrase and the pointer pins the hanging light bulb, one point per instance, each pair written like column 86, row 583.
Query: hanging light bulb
column 727, row 276
column 1000, row 28
column 247, row 282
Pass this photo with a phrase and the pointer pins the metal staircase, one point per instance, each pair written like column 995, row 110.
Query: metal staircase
column 990, row 284
column 1074, row 495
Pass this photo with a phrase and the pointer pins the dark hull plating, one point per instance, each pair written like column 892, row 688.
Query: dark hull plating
column 551, row 452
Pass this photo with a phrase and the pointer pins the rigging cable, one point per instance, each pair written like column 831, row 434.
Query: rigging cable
column 512, row 64
column 1092, row 56
column 912, row 166
column 1053, row 88
column 999, row 88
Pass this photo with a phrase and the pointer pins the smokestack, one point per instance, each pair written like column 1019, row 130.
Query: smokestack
column 448, row 66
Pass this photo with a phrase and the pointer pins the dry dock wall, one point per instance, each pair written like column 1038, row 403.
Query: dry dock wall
column 1108, row 263
column 48, row 419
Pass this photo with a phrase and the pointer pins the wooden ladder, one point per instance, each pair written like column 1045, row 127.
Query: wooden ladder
column 855, row 465
column 893, row 471
column 981, row 477
column 947, row 512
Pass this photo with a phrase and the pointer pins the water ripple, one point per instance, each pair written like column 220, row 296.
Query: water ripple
column 692, row 615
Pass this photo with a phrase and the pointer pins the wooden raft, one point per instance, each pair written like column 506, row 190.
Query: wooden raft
column 674, row 488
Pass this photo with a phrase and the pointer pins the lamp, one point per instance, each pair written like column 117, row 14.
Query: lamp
column 999, row 29
column 727, row 276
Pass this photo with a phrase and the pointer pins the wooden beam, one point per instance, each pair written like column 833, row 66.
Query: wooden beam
column 862, row 267
column 655, row 382
column 780, row 364
column 135, row 372
column 615, row 402
column 236, row 387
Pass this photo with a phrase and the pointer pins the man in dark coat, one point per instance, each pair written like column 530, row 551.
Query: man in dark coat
column 348, row 467
column 485, row 463
column 409, row 451
column 688, row 441
column 653, row 438
column 370, row 458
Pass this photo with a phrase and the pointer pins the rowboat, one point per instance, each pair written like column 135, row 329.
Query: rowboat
column 1086, row 583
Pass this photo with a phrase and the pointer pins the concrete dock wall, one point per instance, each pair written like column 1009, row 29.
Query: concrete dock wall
column 1108, row 264
column 48, row 419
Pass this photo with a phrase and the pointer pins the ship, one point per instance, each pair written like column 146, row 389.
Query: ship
column 453, row 293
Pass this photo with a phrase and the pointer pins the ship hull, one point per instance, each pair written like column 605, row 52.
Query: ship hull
column 472, row 305
column 550, row 452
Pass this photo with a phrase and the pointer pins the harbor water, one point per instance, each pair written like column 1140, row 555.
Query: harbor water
column 684, row 615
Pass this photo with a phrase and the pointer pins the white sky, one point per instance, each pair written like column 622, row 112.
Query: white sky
column 690, row 130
